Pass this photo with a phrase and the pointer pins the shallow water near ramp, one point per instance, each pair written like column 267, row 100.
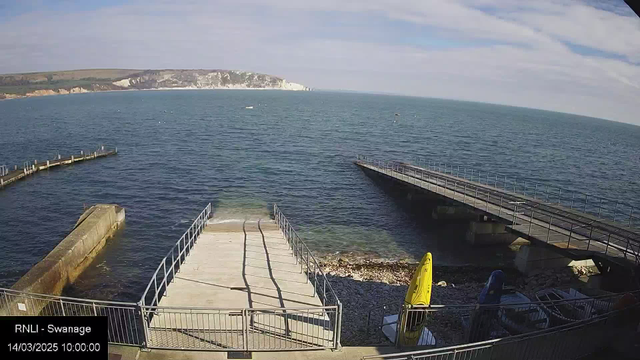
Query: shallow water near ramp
column 180, row 150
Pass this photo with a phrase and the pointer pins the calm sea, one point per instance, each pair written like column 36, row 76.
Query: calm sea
column 179, row 150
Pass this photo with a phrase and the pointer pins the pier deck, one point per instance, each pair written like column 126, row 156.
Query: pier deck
column 10, row 176
column 577, row 234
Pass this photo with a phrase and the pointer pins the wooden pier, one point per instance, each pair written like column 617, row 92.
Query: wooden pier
column 10, row 176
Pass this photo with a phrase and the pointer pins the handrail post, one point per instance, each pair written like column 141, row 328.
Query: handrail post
column 464, row 197
column 571, row 233
column 164, row 265
column 599, row 207
column 626, row 249
column 559, row 196
column 487, row 208
column 155, row 283
column 308, row 267
column 585, row 203
column 145, row 325
column 173, row 266
column 530, row 222
column 338, row 326
column 549, row 229
column 245, row 330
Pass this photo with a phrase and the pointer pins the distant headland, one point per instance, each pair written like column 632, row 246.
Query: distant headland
column 89, row 80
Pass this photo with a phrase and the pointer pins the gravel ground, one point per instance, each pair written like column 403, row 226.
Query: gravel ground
column 371, row 289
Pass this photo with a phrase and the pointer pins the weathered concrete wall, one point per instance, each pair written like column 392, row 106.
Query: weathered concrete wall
column 67, row 260
column 529, row 258
column 491, row 233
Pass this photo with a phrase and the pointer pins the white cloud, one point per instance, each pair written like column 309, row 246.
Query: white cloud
column 502, row 51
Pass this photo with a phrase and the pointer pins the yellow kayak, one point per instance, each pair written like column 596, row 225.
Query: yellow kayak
column 419, row 293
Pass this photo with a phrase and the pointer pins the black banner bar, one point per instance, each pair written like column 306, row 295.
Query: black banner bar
column 53, row 337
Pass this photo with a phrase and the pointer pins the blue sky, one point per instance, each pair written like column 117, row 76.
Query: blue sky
column 567, row 55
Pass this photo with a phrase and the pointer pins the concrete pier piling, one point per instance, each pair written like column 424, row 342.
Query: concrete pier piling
column 8, row 177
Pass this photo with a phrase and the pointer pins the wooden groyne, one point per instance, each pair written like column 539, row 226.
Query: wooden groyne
column 8, row 176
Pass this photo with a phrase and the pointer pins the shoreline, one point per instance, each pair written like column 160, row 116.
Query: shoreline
column 371, row 289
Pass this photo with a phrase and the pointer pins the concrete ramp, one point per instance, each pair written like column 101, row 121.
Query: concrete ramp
column 241, row 287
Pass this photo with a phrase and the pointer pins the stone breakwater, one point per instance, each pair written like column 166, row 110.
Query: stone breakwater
column 371, row 289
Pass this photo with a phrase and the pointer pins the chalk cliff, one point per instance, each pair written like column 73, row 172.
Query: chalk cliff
column 78, row 81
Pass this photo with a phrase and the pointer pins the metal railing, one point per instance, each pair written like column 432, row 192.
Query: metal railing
column 4, row 170
column 571, row 340
column 461, row 324
column 243, row 329
column 602, row 208
column 146, row 324
column 532, row 217
column 125, row 320
column 170, row 264
column 312, row 269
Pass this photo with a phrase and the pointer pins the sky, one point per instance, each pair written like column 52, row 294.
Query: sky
column 574, row 56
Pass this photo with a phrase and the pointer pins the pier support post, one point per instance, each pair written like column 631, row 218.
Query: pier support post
column 531, row 257
column 489, row 233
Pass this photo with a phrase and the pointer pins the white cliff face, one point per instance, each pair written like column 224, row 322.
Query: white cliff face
column 293, row 86
column 172, row 79
column 122, row 83
column 204, row 79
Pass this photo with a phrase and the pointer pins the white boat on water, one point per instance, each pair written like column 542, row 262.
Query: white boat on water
column 248, row 107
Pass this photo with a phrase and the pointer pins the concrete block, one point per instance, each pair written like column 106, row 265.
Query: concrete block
column 70, row 257
column 488, row 233
column 529, row 258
